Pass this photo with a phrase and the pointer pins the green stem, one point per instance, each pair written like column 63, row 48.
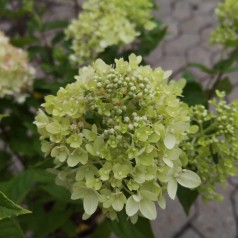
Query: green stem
column 77, row 7
column 232, row 56
column 215, row 84
column 125, row 99
column 127, row 189
column 203, row 132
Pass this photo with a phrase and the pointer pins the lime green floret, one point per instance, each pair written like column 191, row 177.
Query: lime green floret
column 213, row 150
column 104, row 23
column 16, row 75
column 115, row 138
column 226, row 32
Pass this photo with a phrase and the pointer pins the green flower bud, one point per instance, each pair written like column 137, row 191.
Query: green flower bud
column 212, row 148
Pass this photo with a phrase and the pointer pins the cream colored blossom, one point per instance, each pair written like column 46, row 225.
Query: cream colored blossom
column 104, row 23
column 16, row 75
column 115, row 137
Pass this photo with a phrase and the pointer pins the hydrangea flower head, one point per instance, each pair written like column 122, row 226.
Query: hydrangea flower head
column 16, row 75
column 226, row 32
column 104, row 23
column 115, row 134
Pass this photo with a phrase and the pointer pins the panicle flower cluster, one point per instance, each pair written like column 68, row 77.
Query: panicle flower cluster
column 104, row 23
column 213, row 150
column 16, row 75
column 226, row 32
column 114, row 135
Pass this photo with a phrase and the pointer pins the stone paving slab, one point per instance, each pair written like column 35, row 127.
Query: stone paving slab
column 206, row 220
column 190, row 23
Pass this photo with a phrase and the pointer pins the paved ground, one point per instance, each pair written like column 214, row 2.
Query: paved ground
column 190, row 23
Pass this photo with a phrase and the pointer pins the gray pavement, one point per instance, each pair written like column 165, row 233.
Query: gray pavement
column 189, row 25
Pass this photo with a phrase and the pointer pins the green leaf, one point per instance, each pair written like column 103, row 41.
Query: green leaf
column 3, row 116
column 223, row 66
column 103, row 230
column 4, row 163
column 150, row 39
column 57, row 192
column 21, row 145
column 41, row 175
column 46, row 181
column 202, row 67
column 18, row 187
column 123, row 228
column 58, row 38
column 55, row 25
column 225, row 85
column 189, row 179
column 23, row 41
column 3, row 3
column 10, row 229
column 193, row 92
column 8, row 13
column 45, row 221
column 233, row 69
column 186, row 198
column 232, row 43
column 8, row 208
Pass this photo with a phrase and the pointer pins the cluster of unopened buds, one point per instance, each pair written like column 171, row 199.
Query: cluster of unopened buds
column 212, row 151
column 115, row 136
column 226, row 32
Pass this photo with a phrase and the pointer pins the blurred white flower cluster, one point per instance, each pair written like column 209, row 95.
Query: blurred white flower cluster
column 104, row 23
column 16, row 75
